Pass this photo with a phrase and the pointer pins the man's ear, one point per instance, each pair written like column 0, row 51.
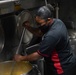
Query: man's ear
column 49, row 19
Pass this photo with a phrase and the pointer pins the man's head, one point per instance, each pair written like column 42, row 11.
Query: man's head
column 44, row 15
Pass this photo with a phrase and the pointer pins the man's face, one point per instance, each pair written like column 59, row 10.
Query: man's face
column 44, row 25
column 40, row 21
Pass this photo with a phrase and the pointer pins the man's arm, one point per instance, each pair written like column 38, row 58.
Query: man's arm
column 35, row 31
column 32, row 57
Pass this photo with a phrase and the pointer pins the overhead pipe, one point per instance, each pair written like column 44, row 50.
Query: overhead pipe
column 46, row 2
column 7, row 1
column 57, row 11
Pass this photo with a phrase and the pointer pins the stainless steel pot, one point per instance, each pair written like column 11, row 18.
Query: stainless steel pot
column 21, row 18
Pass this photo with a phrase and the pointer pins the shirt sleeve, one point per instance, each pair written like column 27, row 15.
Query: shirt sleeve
column 47, row 45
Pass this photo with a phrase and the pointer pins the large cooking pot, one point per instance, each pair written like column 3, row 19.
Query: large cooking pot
column 20, row 68
column 21, row 18
column 7, row 36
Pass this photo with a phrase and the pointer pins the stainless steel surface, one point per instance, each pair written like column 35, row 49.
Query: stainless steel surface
column 32, row 49
column 20, row 68
column 72, row 33
column 72, row 37
column 8, row 24
column 2, row 40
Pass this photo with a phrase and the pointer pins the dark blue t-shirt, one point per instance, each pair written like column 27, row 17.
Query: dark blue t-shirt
column 55, row 47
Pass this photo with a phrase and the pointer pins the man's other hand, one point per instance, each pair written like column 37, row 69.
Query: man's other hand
column 26, row 24
column 18, row 57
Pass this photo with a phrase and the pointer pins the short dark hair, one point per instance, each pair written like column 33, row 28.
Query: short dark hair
column 45, row 12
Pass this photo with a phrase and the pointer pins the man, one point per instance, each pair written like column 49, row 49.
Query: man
column 54, row 47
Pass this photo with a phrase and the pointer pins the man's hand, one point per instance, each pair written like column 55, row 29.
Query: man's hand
column 26, row 24
column 18, row 57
